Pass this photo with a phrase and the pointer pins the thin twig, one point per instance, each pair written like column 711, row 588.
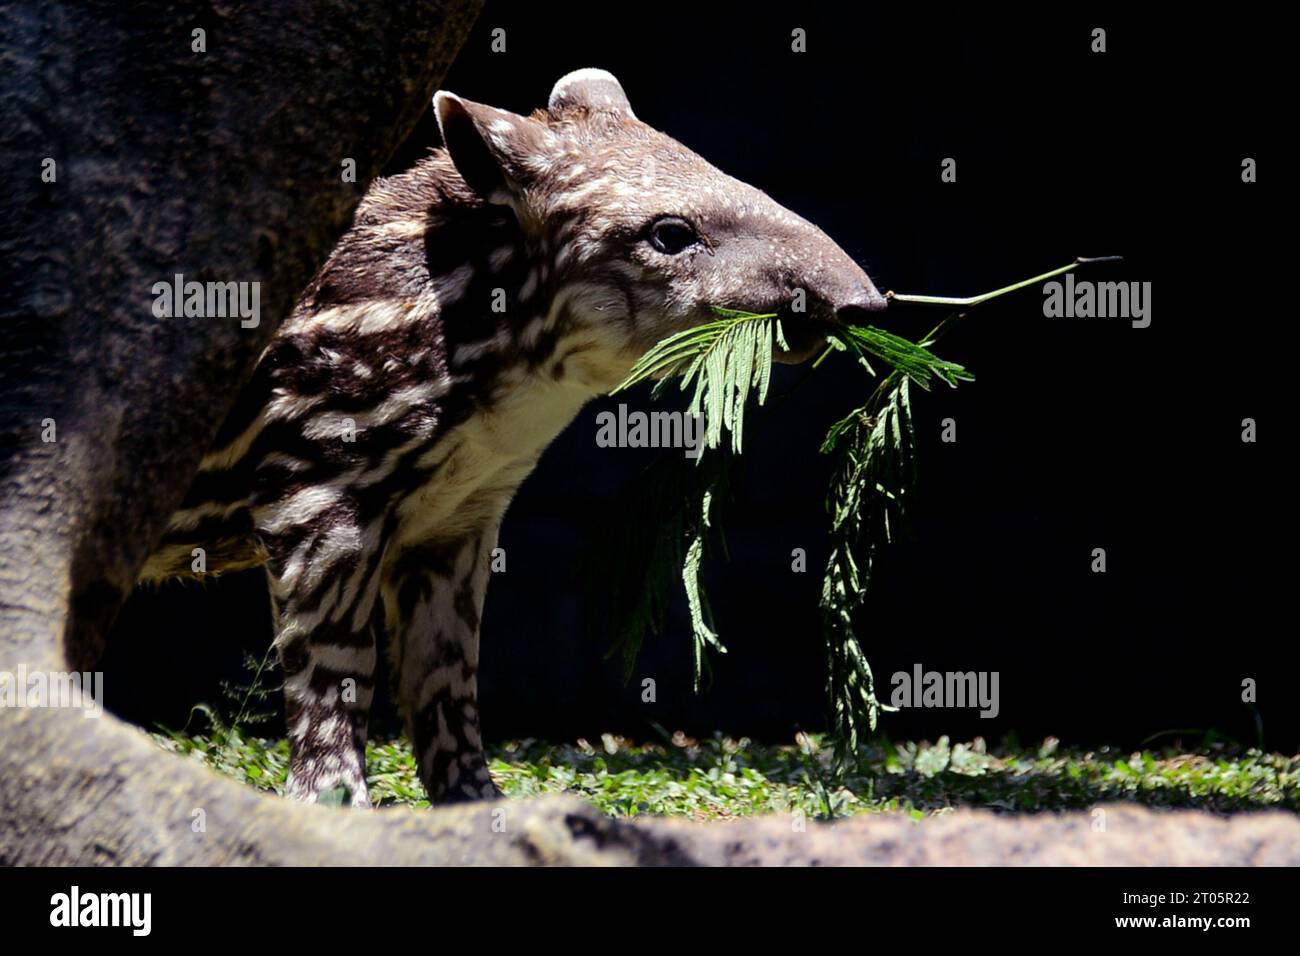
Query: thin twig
column 978, row 299
column 967, row 303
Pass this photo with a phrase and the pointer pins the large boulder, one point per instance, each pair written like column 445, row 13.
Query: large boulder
column 144, row 140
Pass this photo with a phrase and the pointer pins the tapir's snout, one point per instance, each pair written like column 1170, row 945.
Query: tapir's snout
column 858, row 308
column 776, row 261
column 845, row 287
column 842, row 294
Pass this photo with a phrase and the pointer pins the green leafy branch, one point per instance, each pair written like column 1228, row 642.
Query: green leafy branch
column 868, row 498
column 726, row 360
column 664, row 530
column 729, row 360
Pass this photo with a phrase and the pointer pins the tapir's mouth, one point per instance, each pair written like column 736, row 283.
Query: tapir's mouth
column 806, row 338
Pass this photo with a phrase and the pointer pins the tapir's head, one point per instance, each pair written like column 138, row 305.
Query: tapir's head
column 639, row 236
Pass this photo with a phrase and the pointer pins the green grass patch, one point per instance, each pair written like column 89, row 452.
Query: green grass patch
column 721, row 778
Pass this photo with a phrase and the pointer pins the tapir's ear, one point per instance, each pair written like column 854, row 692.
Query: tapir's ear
column 593, row 90
column 493, row 150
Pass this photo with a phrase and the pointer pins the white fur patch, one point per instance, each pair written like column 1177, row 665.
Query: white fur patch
column 297, row 509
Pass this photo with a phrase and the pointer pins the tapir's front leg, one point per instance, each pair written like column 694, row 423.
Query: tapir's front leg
column 434, row 596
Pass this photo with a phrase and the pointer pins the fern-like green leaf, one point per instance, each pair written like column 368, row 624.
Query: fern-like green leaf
column 724, row 361
column 868, row 494
column 706, row 638
column 908, row 357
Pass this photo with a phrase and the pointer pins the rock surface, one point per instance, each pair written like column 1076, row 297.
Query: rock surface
column 1132, row 836
column 149, row 139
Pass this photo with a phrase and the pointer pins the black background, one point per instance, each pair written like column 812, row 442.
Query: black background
column 1077, row 434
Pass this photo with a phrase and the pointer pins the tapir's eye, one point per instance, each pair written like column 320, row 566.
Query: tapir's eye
column 671, row 235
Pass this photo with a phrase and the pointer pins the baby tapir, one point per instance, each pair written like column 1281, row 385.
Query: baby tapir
column 476, row 303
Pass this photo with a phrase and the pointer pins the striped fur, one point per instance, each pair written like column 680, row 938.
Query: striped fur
column 368, row 463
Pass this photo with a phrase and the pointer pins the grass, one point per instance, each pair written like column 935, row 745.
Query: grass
column 722, row 778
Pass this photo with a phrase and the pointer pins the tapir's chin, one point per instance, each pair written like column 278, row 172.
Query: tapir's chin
column 807, row 339
column 795, row 356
